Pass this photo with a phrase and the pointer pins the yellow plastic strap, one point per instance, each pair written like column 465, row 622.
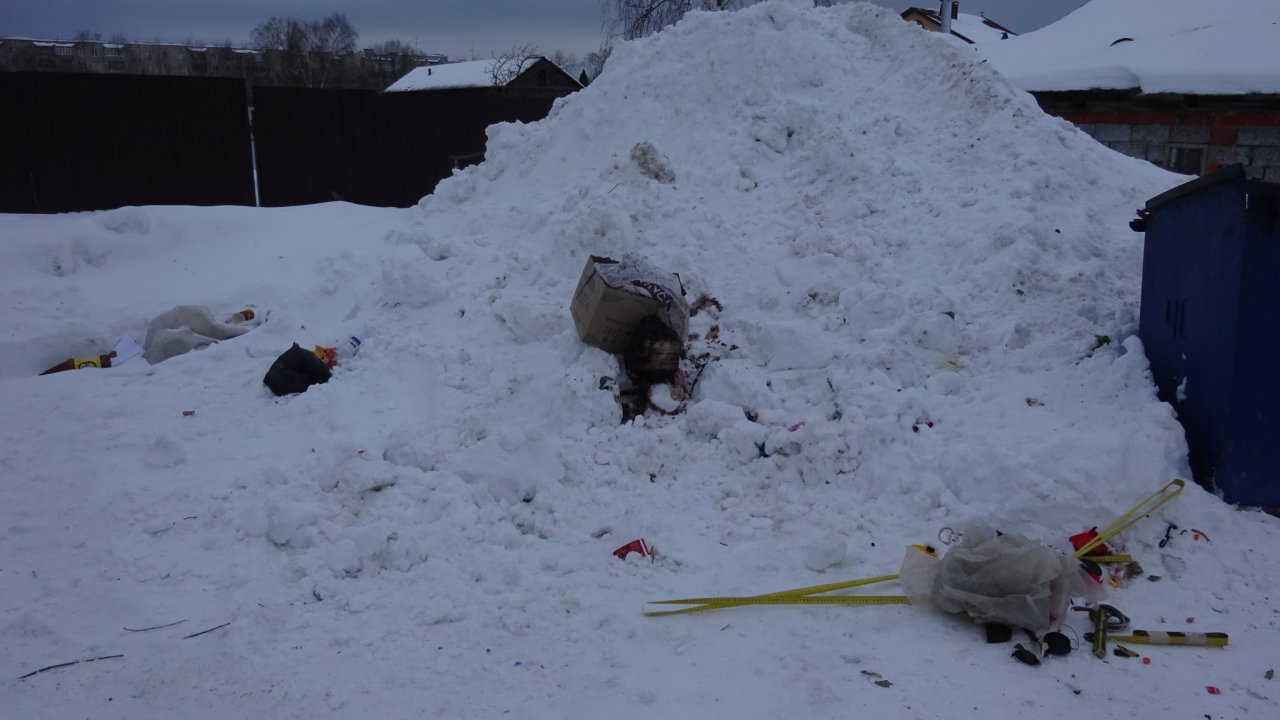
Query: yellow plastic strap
column 766, row 598
column 1143, row 508
column 728, row 602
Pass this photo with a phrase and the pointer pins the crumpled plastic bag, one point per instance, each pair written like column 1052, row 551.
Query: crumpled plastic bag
column 995, row 578
column 295, row 371
column 183, row 329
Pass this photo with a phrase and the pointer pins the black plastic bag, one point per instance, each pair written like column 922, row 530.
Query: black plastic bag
column 295, row 371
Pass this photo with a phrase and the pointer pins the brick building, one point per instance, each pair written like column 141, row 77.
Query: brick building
column 366, row 69
column 1189, row 86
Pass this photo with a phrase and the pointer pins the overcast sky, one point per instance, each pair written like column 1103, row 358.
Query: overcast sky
column 459, row 28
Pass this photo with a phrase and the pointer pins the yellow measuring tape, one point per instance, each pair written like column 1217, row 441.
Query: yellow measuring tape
column 1156, row 637
column 1144, row 507
column 798, row 596
column 803, row 596
column 1110, row 558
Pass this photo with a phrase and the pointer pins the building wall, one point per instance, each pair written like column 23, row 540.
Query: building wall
column 1218, row 130
column 545, row 75
column 271, row 67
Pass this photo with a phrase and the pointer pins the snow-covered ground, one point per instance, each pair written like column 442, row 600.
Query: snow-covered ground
column 931, row 278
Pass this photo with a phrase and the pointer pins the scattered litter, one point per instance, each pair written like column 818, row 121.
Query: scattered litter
column 637, row 546
column 997, row 577
column 614, row 296
column 126, row 348
column 68, row 664
column 202, row 632
column 1122, row 651
column 884, row 683
column 155, row 627
column 101, row 361
column 633, row 310
column 1055, row 643
column 1212, row 690
column 186, row 328
column 1025, row 656
column 188, row 413
column 796, row 427
column 295, row 371
column 1270, row 674
column 333, row 355
column 241, row 317
column 998, row 633
column 1146, row 661
column 1080, row 540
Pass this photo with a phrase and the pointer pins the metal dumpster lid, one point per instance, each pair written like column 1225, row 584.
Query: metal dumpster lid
column 1225, row 175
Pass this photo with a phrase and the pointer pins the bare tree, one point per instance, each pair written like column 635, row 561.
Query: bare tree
column 596, row 60
column 632, row 19
column 507, row 66
column 85, row 35
column 334, row 34
column 313, row 48
column 277, row 33
column 566, row 61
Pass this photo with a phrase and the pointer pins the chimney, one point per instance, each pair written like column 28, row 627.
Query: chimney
column 947, row 13
column 955, row 9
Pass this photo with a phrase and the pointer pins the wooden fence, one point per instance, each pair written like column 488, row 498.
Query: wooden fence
column 92, row 142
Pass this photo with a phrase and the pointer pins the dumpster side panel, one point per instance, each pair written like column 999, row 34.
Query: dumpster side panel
column 1249, row 469
column 1191, row 277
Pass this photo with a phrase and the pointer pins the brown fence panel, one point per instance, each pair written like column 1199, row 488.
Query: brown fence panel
column 375, row 149
column 317, row 146
column 436, row 132
column 71, row 142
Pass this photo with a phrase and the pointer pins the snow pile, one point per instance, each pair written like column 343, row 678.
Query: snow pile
column 926, row 305
column 1157, row 46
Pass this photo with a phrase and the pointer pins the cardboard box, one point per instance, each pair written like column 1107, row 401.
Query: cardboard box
column 613, row 296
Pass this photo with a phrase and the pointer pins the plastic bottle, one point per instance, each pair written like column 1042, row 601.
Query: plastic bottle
column 349, row 349
column 243, row 316
column 332, row 356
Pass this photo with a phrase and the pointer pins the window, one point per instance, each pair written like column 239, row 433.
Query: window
column 1186, row 159
column 67, row 51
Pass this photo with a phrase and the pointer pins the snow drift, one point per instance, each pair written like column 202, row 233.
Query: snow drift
column 927, row 301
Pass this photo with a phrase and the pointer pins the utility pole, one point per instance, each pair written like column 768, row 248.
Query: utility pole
column 947, row 9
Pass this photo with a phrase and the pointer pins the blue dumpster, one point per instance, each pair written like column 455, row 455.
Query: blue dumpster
column 1210, row 323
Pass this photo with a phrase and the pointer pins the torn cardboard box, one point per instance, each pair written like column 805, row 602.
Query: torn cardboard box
column 614, row 296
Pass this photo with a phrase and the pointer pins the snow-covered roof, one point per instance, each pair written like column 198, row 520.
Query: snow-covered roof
column 973, row 28
column 1224, row 47
column 469, row 74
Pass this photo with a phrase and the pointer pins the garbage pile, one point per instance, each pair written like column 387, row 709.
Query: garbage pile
column 633, row 310
column 191, row 327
